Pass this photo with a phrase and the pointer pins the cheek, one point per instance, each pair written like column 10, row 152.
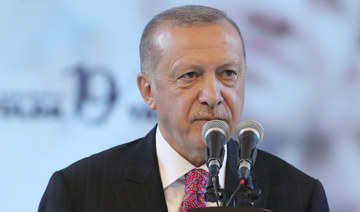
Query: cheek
column 235, row 101
column 186, row 103
column 236, row 107
column 173, row 104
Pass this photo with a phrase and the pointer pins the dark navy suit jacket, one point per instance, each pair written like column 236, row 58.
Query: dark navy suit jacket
column 127, row 178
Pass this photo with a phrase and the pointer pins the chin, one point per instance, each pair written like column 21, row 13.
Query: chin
column 201, row 145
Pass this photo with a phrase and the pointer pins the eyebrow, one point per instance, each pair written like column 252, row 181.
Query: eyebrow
column 227, row 65
column 199, row 68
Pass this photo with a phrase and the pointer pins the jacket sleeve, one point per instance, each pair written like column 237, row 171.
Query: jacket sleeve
column 56, row 196
column 318, row 201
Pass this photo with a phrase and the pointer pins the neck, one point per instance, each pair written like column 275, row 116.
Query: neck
column 195, row 157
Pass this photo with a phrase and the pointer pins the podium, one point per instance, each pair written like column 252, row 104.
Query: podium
column 228, row 209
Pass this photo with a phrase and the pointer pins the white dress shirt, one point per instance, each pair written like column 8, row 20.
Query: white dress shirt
column 173, row 167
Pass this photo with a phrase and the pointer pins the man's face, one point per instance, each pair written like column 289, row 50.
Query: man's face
column 200, row 76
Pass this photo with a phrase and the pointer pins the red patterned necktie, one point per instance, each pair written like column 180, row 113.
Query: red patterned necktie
column 195, row 182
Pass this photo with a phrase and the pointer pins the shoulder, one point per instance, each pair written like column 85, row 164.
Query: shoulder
column 115, row 157
column 276, row 168
column 288, row 186
column 284, row 177
column 100, row 162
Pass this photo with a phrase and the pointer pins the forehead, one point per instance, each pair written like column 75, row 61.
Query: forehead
column 168, row 36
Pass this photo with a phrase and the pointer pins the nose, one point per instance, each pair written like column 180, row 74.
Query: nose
column 210, row 92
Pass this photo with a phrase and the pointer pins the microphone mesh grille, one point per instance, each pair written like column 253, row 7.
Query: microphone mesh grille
column 250, row 124
column 216, row 124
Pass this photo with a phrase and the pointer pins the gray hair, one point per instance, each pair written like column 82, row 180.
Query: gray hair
column 189, row 15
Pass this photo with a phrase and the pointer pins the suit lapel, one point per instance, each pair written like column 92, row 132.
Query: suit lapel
column 141, row 189
column 261, row 180
column 232, row 179
column 231, row 176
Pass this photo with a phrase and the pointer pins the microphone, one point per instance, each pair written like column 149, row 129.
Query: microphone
column 215, row 134
column 248, row 134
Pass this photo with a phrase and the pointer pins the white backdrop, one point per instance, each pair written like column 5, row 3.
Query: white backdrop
column 68, row 87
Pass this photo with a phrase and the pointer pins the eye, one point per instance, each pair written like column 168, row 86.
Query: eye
column 190, row 75
column 228, row 73
column 188, row 79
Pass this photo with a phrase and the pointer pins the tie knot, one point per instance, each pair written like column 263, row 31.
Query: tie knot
column 195, row 181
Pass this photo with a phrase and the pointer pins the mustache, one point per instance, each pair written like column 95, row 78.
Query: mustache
column 210, row 113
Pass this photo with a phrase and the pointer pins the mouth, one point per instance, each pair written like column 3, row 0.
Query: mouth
column 204, row 120
column 205, row 115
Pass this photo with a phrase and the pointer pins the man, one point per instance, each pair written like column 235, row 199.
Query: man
column 192, row 71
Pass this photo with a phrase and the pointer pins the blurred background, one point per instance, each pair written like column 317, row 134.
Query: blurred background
column 68, row 86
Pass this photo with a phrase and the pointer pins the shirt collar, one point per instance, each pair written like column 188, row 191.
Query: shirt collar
column 173, row 166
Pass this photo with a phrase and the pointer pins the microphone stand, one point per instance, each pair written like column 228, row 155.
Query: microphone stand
column 213, row 192
column 244, row 196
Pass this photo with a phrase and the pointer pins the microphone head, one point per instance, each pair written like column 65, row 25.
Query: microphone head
column 216, row 125
column 250, row 125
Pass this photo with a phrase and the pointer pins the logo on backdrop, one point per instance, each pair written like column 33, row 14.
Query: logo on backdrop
column 92, row 99
column 95, row 95
column 30, row 105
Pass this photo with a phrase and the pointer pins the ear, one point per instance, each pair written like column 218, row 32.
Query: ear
column 144, row 85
